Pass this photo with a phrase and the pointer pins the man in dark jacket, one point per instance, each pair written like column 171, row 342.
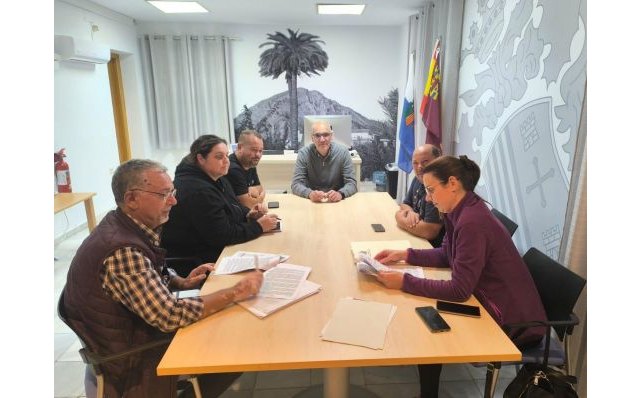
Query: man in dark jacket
column 117, row 296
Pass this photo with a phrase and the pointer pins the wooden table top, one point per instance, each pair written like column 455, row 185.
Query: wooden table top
column 65, row 200
column 319, row 236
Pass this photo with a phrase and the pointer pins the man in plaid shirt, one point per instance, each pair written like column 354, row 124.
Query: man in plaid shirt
column 118, row 292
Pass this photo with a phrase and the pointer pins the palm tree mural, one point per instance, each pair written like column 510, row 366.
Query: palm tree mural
column 293, row 55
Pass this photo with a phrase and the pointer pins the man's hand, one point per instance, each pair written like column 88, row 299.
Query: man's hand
column 413, row 219
column 318, row 196
column 195, row 277
column 268, row 222
column 257, row 211
column 334, row 196
column 407, row 219
column 248, row 286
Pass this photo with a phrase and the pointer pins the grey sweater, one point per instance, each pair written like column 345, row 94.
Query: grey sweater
column 332, row 172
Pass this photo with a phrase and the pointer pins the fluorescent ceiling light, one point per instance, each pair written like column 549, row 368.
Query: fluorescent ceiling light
column 341, row 9
column 178, row 7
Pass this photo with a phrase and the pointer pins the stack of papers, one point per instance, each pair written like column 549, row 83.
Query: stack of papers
column 263, row 306
column 359, row 322
column 283, row 285
column 244, row 261
column 373, row 247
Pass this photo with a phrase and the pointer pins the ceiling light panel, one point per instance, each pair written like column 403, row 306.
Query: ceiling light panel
column 178, row 7
column 340, row 9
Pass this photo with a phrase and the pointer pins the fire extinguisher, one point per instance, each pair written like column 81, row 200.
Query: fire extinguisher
column 61, row 168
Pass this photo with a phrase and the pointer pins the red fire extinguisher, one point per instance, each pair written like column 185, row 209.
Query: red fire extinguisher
column 61, row 168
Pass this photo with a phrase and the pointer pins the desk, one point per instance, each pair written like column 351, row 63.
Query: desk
column 319, row 235
column 276, row 171
column 63, row 201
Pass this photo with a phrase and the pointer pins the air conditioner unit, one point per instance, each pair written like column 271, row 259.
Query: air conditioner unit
column 79, row 50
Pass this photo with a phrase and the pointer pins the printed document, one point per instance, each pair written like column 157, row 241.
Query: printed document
column 283, row 281
column 359, row 322
column 371, row 248
column 244, row 261
column 263, row 306
column 371, row 266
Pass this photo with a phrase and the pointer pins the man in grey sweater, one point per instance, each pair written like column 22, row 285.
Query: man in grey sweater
column 324, row 170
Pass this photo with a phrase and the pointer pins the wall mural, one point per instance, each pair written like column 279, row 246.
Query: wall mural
column 294, row 55
column 519, row 111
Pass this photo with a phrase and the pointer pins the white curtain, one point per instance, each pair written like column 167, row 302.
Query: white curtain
column 443, row 19
column 187, row 88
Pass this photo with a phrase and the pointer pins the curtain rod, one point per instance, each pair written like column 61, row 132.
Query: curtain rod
column 191, row 36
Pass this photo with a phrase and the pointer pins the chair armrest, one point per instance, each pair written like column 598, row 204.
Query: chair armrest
column 182, row 265
column 91, row 358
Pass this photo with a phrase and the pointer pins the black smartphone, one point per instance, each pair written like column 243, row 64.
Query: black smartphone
column 273, row 205
column 432, row 319
column 377, row 227
column 458, row 309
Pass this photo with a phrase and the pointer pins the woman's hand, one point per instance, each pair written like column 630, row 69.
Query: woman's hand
column 391, row 256
column 390, row 279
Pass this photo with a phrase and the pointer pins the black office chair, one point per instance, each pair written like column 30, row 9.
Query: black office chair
column 559, row 289
column 94, row 360
column 182, row 265
column 509, row 224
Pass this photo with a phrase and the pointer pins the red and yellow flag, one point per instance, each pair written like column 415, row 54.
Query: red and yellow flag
column 430, row 106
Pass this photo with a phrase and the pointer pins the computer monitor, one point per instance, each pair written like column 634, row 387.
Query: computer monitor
column 340, row 124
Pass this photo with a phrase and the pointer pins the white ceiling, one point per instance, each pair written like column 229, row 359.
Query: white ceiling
column 270, row 12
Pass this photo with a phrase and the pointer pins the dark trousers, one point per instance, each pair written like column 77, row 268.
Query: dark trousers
column 429, row 380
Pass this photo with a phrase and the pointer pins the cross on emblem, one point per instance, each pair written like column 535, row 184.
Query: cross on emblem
column 539, row 181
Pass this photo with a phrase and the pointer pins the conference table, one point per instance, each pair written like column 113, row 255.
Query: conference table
column 319, row 235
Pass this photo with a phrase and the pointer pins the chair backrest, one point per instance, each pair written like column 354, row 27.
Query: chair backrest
column 559, row 287
column 62, row 314
column 509, row 224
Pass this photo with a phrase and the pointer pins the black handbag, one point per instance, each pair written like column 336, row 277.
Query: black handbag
column 535, row 381
column 539, row 380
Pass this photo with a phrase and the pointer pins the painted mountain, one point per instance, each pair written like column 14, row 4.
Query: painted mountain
column 373, row 139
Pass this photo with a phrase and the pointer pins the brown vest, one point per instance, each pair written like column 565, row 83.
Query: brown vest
column 107, row 326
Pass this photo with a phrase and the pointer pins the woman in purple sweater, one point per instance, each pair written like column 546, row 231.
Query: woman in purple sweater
column 483, row 259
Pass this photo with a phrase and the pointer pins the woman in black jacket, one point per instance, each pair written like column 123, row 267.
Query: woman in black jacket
column 208, row 216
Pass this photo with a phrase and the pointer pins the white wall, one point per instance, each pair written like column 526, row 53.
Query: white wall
column 83, row 114
column 365, row 62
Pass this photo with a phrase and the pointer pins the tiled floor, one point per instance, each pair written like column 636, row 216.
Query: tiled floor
column 460, row 380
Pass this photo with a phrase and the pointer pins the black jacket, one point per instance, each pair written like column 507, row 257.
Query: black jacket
column 207, row 218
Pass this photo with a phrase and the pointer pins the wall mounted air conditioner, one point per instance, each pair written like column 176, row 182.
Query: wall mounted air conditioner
column 73, row 49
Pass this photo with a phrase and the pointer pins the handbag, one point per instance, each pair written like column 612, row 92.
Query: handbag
column 535, row 381
column 539, row 380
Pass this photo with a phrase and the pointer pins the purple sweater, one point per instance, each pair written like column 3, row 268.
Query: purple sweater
column 484, row 262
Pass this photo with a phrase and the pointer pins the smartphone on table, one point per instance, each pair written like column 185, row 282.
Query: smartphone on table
column 458, row 309
column 433, row 319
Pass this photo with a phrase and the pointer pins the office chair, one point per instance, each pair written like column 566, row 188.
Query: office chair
column 182, row 265
column 559, row 289
column 509, row 224
column 93, row 360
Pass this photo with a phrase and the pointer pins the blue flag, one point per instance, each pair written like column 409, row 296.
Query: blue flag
column 407, row 124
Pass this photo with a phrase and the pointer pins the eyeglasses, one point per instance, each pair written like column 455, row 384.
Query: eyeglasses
column 430, row 190
column 317, row 136
column 165, row 196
